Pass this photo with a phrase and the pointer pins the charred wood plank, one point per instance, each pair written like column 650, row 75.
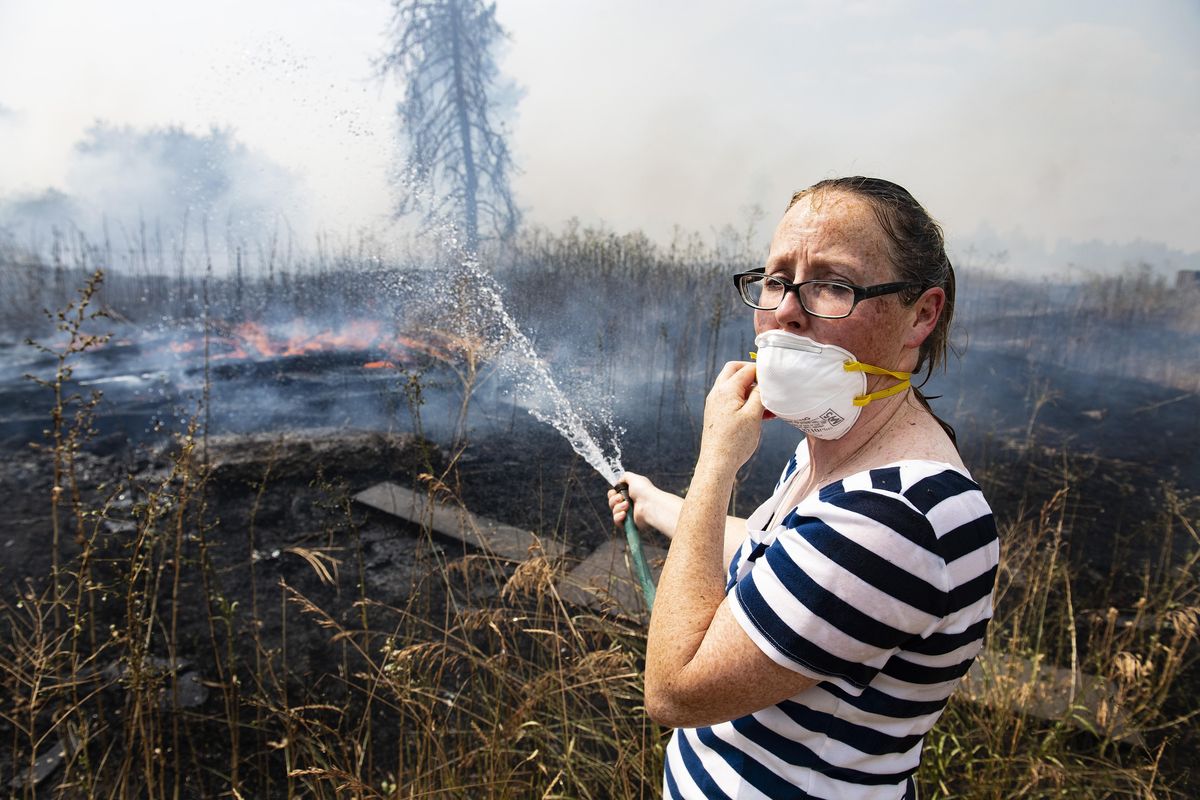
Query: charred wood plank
column 605, row 579
column 1026, row 686
column 505, row 541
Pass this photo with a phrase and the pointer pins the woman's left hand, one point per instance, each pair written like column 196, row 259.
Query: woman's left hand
column 733, row 415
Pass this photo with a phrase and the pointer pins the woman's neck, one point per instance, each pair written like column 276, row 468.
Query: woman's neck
column 828, row 458
column 865, row 445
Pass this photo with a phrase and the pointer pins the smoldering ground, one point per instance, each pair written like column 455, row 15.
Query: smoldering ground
column 630, row 337
column 314, row 379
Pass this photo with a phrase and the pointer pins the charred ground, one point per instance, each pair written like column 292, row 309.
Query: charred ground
column 261, row 577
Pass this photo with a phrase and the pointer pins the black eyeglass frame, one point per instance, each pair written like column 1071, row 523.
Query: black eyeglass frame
column 860, row 292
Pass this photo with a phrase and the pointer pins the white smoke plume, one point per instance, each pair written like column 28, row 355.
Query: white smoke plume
column 122, row 180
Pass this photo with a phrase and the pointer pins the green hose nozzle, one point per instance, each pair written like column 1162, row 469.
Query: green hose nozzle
column 640, row 567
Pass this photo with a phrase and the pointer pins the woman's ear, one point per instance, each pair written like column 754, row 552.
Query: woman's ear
column 927, row 311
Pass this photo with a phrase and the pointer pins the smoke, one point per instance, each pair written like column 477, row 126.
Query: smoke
column 1021, row 255
column 121, row 180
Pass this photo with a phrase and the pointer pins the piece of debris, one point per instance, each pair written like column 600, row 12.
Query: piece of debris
column 120, row 527
column 46, row 763
column 293, row 453
column 42, row 768
column 605, row 579
column 486, row 534
column 117, row 670
column 1047, row 692
column 192, row 693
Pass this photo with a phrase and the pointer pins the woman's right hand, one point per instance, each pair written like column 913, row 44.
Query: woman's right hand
column 641, row 492
column 733, row 417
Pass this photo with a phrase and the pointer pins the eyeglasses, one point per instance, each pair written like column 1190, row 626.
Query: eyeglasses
column 824, row 299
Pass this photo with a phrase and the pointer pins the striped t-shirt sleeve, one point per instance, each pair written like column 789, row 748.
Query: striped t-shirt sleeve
column 848, row 580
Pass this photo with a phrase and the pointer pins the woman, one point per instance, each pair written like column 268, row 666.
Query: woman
column 806, row 651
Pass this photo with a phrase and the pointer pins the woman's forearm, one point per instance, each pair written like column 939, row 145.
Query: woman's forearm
column 693, row 579
column 662, row 514
column 661, row 511
column 692, row 586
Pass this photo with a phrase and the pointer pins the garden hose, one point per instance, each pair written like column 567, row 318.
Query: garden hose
column 640, row 568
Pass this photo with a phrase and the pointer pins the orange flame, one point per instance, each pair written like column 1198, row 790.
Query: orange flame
column 252, row 340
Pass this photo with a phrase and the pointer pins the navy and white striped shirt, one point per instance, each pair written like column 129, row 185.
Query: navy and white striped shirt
column 880, row 587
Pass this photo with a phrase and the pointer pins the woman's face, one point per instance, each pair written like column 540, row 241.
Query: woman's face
column 835, row 236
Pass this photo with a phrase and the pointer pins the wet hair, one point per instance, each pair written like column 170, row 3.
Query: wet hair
column 918, row 254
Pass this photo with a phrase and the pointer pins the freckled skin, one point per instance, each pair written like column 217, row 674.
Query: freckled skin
column 837, row 235
column 695, row 647
column 834, row 235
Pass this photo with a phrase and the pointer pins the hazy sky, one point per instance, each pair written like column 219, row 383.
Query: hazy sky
column 1066, row 119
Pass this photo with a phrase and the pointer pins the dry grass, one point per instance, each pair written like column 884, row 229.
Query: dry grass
column 1125, row 726
column 483, row 683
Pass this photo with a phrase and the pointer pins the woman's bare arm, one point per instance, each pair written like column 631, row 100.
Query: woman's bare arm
column 696, row 650
column 658, row 509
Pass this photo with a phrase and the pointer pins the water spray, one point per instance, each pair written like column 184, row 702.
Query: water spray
column 640, row 568
column 515, row 355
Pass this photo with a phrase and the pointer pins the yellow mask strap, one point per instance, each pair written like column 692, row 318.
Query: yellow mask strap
column 863, row 399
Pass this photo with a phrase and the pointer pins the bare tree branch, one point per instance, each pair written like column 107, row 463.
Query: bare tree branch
column 458, row 161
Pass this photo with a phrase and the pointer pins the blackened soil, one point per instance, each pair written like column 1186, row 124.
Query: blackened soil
column 274, row 526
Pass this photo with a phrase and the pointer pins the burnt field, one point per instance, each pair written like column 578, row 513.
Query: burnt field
column 343, row 427
column 193, row 600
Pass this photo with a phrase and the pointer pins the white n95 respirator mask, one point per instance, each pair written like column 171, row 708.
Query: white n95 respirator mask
column 819, row 388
